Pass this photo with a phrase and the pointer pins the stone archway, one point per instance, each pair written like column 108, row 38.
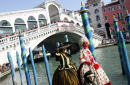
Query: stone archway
column 53, row 13
column 5, row 28
column 66, row 20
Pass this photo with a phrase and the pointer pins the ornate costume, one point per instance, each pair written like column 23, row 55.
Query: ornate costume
column 66, row 73
column 87, row 65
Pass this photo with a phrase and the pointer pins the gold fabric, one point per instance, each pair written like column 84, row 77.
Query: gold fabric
column 65, row 77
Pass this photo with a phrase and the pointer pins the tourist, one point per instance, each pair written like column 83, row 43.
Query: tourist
column 1, row 37
column 4, row 67
column 66, row 73
column 29, row 29
column 1, row 69
column 89, row 71
column 7, row 35
column 7, row 66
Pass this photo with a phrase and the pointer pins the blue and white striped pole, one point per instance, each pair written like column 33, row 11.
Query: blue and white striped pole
column 46, row 64
column 66, row 40
column 33, row 66
column 125, row 56
column 57, row 44
column 19, row 66
column 12, row 68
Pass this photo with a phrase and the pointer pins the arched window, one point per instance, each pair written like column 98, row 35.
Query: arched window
column 78, row 24
column 42, row 20
column 41, row 16
column 76, row 17
column 96, row 11
column 65, row 19
column 99, row 25
column 19, row 25
column 4, row 23
column 98, row 18
column 72, row 21
column 5, row 28
column 19, row 20
column 32, row 23
column 90, row 21
column 31, row 18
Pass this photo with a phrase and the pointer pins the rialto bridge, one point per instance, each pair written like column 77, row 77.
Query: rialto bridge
column 46, row 18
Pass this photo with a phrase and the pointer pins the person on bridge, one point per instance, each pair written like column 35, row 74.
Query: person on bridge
column 66, row 73
column 90, row 72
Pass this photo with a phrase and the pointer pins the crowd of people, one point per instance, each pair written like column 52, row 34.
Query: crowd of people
column 4, row 68
column 34, row 27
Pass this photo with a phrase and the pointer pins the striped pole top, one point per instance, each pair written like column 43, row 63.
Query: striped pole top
column 83, row 9
column 116, row 25
column 127, row 15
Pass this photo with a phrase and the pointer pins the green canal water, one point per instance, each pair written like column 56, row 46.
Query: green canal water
column 107, row 57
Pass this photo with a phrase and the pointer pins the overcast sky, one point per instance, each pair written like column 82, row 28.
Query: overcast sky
column 14, row 5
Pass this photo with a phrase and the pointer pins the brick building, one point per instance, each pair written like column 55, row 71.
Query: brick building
column 116, row 8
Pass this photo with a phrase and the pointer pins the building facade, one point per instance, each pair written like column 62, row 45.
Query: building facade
column 96, row 16
column 116, row 8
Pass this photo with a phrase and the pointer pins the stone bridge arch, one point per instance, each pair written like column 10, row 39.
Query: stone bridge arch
column 33, row 38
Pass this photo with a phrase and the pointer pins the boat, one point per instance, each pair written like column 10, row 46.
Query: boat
column 38, row 55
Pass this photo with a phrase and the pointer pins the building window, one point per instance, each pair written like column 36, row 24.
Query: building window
column 87, row 7
column 90, row 21
column 114, row 15
column 99, row 25
column 104, row 10
column 123, row 22
column 124, row 8
column 105, row 17
column 112, row 25
column 95, row 4
column 4, row 23
column 113, row 8
column 97, row 18
column 119, row 16
column 122, row 1
column 96, row 11
column 109, row 9
column 124, row 29
column 119, row 6
column 76, row 17
column 88, row 13
column 113, row 31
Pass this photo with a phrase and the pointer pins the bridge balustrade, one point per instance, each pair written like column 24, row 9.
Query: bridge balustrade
column 13, row 41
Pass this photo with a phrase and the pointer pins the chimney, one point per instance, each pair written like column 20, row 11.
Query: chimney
column 64, row 10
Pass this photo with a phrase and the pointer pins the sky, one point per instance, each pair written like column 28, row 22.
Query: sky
column 14, row 5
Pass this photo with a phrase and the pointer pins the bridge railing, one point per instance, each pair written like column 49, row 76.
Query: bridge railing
column 13, row 40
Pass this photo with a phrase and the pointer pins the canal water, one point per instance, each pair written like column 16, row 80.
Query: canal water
column 107, row 57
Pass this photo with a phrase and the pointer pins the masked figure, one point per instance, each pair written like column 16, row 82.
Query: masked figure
column 66, row 73
column 90, row 72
